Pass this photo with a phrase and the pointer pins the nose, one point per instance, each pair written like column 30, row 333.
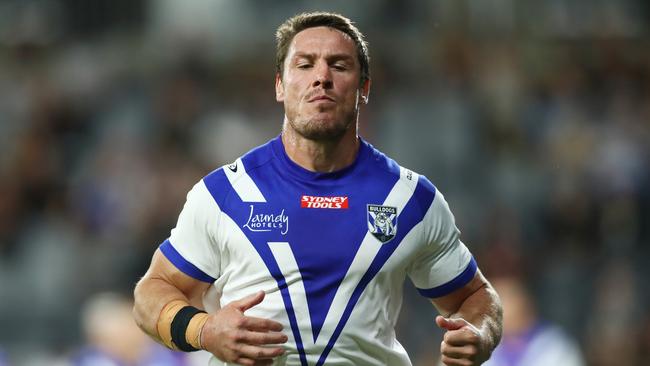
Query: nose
column 323, row 76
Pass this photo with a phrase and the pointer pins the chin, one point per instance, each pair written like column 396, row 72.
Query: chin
column 323, row 134
column 323, row 130
column 322, row 126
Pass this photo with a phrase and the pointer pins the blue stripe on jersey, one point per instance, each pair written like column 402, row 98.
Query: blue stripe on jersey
column 410, row 216
column 181, row 263
column 231, row 204
column 449, row 287
column 219, row 186
column 424, row 194
column 322, row 256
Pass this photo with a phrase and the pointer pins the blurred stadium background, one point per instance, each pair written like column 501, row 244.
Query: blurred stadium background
column 532, row 117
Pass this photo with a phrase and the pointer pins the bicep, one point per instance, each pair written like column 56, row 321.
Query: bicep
column 450, row 303
column 163, row 283
column 162, row 269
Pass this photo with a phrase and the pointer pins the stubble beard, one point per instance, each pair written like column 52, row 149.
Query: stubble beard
column 322, row 129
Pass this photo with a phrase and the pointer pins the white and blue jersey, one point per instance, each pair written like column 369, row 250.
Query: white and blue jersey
column 331, row 250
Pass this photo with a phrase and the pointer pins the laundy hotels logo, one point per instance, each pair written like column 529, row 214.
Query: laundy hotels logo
column 331, row 202
column 266, row 222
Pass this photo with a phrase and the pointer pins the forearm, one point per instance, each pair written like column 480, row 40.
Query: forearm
column 483, row 310
column 151, row 295
column 162, row 284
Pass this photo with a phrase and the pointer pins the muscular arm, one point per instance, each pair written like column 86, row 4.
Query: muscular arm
column 472, row 316
column 163, row 283
column 228, row 334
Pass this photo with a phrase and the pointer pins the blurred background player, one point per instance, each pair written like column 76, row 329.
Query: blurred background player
column 527, row 339
column 3, row 358
column 113, row 339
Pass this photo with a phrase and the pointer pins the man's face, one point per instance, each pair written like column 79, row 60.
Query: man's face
column 320, row 86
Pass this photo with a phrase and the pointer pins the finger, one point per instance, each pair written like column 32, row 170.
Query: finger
column 454, row 361
column 468, row 352
column 261, row 324
column 250, row 362
column 263, row 362
column 258, row 353
column 249, row 301
column 259, row 338
column 245, row 361
column 461, row 337
column 450, row 323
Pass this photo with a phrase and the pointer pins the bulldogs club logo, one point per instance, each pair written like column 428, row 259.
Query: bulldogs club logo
column 382, row 222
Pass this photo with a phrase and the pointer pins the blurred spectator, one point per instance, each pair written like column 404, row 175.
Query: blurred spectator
column 3, row 358
column 528, row 340
column 113, row 339
column 614, row 327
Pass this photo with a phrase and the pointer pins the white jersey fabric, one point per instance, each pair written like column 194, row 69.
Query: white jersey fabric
column 330, row 250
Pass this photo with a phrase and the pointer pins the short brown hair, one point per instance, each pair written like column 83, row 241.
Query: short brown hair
column 294, row 25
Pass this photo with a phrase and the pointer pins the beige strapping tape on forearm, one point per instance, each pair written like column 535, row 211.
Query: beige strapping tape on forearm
column 164, row 325
column 194, row 328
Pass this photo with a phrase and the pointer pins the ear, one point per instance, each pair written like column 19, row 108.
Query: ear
column 365, row 91
column 279, row 88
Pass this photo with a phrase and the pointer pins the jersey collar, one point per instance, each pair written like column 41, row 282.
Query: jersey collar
column 296, row 170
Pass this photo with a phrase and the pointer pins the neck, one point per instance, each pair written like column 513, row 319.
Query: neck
column 322, row 156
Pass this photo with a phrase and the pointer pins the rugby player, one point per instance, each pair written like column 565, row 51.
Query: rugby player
column 304, row 243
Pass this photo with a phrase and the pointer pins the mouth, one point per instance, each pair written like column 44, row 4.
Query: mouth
column 320, row 98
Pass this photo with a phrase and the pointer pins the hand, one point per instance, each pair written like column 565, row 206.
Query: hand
column 233, row 337
column 462, row 344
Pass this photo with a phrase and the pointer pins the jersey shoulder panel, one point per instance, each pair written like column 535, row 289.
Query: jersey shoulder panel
column 234, row 177
column 444, row 263
column 190, row 246
column 425, row 191
column 382, row 162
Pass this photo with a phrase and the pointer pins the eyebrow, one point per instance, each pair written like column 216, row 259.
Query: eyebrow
column 329, row 58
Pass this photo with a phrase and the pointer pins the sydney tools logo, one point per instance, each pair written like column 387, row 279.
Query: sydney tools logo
column 336, row 202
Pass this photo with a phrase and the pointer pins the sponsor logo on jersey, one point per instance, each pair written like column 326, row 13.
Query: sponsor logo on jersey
column 267, row 222
column 332, row 202
column 382, row 222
